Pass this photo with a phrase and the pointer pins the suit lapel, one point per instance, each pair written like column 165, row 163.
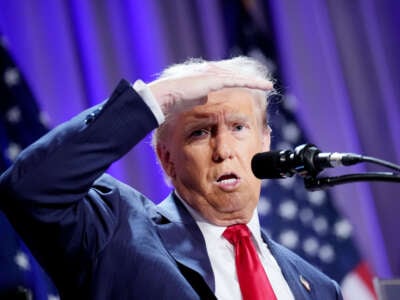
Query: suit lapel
column 183, row 239
column 298, row 284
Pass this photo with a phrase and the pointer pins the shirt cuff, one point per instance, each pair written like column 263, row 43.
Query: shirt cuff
column 144, row 92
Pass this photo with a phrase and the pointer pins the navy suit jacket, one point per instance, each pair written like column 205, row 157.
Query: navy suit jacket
column 101, row 239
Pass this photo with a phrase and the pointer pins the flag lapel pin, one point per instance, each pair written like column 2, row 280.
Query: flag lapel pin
column 305, row 283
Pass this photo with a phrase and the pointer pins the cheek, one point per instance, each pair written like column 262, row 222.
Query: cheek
column 257, row 145
column 266, row 143
column 262, row 144
column 190, row 162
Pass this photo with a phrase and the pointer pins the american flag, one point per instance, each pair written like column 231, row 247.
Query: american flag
column 306, row 222
column 21, row 277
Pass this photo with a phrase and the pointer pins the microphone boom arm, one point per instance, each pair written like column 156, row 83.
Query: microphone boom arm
column 319, row 183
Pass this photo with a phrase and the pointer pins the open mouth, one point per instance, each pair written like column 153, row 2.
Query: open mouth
column 228, row 179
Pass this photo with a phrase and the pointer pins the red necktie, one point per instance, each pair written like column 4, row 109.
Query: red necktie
column 253, row 281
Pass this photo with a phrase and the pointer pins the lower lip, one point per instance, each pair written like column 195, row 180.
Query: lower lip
column 228, row 185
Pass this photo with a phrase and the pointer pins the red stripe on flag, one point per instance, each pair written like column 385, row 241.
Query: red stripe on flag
column 363, row 271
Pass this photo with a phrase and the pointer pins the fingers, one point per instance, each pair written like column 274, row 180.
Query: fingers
column 229, row 79
column 248, row 82
column 173, row 93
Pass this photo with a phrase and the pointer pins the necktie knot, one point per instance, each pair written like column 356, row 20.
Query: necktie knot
column 235, row 233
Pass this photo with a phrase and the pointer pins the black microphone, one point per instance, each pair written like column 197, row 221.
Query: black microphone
column 306, row 160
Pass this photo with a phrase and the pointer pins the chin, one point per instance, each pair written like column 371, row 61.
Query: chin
column 232, row 213
column 240, row 201
column 227, row 220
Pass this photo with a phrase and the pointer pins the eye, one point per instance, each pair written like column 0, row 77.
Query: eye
column 238, row 127
column 198, row 133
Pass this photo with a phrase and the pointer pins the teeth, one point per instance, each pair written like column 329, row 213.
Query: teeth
column 227, row 181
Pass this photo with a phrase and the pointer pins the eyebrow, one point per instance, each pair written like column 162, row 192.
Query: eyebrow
column 205, row 119
column 238, row 118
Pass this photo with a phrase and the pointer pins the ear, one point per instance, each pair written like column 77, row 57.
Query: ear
column 165, row 159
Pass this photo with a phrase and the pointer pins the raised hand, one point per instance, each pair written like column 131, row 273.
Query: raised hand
column 191, row 89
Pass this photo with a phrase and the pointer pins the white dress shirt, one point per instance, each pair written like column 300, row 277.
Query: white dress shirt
column 219, row 250
column 145, row 93
column 222, row 258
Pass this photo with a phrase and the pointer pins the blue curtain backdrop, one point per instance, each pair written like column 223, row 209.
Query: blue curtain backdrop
column 339, row 62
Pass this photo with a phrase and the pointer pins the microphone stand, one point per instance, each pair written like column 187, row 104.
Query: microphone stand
column 314, row 183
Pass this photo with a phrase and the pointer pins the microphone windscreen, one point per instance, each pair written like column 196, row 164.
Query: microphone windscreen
column 266, row 165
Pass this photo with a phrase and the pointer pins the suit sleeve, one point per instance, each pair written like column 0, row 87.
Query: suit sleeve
column 339, row 295
column 48, row 193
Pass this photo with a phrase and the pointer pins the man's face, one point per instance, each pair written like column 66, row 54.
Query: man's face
column 208, row 156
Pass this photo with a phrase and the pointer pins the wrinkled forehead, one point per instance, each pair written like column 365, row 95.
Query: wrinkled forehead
column 216, row 115
column 227, row 105
column 229, row 99
column 230, row 103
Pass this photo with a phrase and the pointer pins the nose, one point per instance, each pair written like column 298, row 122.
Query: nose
column 222, row 147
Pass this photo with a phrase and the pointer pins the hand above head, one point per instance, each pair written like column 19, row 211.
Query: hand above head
column 188, row 90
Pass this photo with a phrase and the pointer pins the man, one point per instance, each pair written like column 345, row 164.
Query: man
column 100, row 239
